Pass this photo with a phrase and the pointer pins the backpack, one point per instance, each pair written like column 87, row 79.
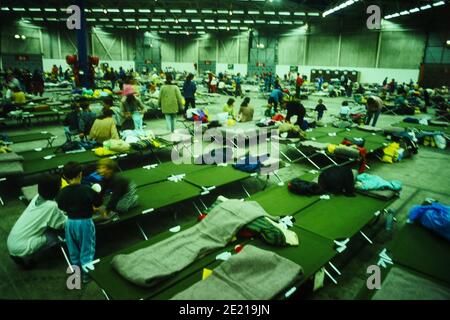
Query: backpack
column 69, row 146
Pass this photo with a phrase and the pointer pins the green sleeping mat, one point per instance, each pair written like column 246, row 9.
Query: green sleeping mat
column 340, row 217
column 31, row 137
column 376, row 142
column 171, row 168
column 279, row 201
column 421, row 250
column 371, row 144
column 159, row 195
column 330, row 140
column 422, row 127
column 322, row 131
column 352, row 134
column 215, row 176
column 33, row 154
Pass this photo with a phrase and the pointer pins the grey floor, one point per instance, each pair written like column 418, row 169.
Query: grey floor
column 425, row 175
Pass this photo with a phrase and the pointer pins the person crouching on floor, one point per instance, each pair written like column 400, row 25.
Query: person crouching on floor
column 36, row 229
column 78, row 201
column 119, row 195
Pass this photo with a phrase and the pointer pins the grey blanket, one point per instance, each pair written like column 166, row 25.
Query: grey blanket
column 146, row 267
column 403, row 285
column 252, row 274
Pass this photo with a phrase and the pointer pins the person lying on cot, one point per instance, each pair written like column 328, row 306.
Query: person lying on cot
column 36, row 229
column 338, row 180
column 119, row 195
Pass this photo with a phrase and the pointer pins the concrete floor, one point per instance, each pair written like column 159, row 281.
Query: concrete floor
column 425, row 175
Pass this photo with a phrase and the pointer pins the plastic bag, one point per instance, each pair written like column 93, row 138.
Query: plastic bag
column 435, row 217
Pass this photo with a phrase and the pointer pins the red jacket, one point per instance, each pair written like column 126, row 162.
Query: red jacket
column 299, row 81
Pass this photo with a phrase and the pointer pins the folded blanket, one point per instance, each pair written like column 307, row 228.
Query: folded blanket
column 148, row 266
column 10, row 157
column 371, row 182
column 403, row 285
column 252, row 274
column 379, row 194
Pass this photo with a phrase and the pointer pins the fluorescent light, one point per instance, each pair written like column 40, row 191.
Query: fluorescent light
column 222, row 28
column 143, row 19
column 170, row 20
column 274, row 22
column 222, row 21
column 36, row 9
column 164, row 27
column 243, row 28
column 199, row 27
column 201, row 32
column 17, row 36
column 440, row 3
column 97, row 10
column 287, row 22
column 117, row 10
column 196, row 20
column 173, row 32
column 207, row 11
column 238, row 12
column 209, row 21
column 269, row 13
column 299, row 14
column 222, row 11
column 176, row 27
column 404, row 13
column 54, row 19
column 130, row 19
column 101, row 19
column 156, row 20
column 284, row 13
column 153, row 27
column 145, row 10
column 414, row 10
column 183, row 20
column 160, row 10
column 7, row 9
column 248, row 21
column 175, row 11
column 235, row 21
column 117, row 19
column 234, row 28
column 128, row 10
column 298, row 22
column 88, row 19
column 191, row 11
column 211, row 27
column 253, row 12
column 313, row 14
column 18, row 9
column 395, row 15
column 448, row 42
column 260, row 21
column 38, row 19
column 425, row 7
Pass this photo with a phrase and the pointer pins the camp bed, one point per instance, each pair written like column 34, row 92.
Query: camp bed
column 159, row 172
column 421, row 127
column 422, row 250
column 419, row 252
column 215, row 176
column 30, row 137
column 115, row 286
column 279, row 201
column 341, row 217
column 322, row 131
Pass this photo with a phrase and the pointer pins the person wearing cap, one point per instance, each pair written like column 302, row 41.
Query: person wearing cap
column 133, row 107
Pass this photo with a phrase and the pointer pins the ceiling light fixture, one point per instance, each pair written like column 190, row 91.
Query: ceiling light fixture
column 335, row 9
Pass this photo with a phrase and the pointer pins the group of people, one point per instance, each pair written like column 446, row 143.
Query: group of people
column 14, row 84
column 70, row 202
column 245, row 112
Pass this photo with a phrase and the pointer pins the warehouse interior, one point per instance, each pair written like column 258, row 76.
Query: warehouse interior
column 224, row 150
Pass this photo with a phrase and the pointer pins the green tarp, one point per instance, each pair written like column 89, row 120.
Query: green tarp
column 422, row 127
column 339, row 217
column 422, row 250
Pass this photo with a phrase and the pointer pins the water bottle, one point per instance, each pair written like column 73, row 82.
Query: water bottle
column 389, row 219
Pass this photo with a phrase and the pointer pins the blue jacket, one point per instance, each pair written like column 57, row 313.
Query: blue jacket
column 189, row 89
column 277, row 95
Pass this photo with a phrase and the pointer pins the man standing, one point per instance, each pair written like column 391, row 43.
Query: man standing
column 298, row 85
